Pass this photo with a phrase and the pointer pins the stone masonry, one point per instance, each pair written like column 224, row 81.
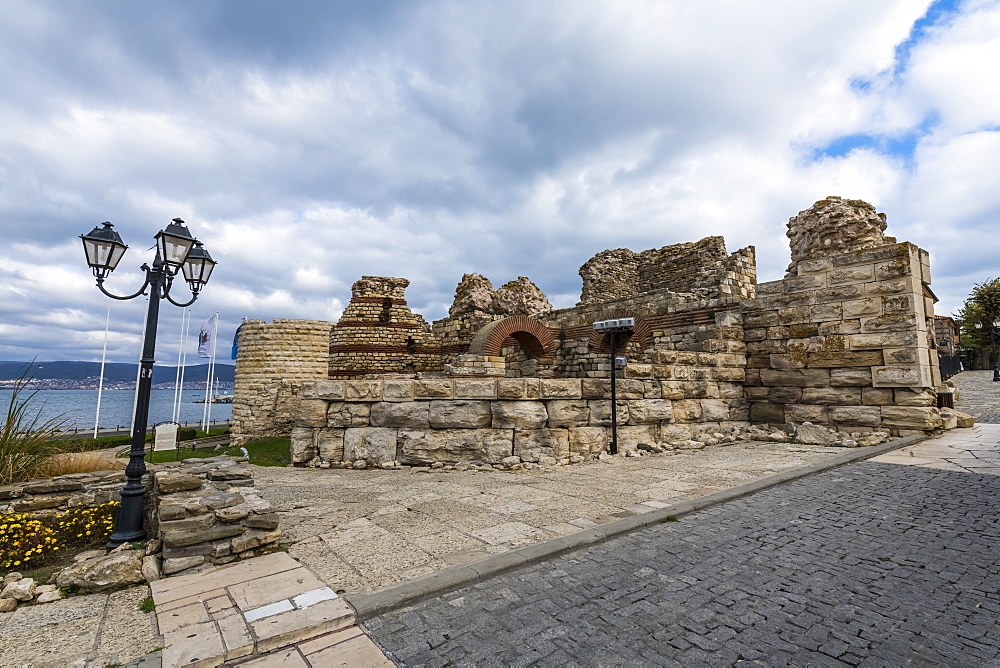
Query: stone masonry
column 843, row 341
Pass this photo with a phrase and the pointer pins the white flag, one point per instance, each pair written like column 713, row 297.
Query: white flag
column 206, row 340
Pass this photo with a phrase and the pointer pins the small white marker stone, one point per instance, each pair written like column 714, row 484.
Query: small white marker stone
column 268, row 610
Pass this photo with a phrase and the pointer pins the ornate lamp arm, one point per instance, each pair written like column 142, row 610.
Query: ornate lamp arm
column 142, row 290
column 194, row 296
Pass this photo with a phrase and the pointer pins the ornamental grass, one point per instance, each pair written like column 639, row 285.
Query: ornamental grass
column 24, row 436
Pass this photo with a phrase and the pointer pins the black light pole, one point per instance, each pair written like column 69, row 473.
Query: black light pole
column 613, row 328
column 176, row 250
column 994, row 325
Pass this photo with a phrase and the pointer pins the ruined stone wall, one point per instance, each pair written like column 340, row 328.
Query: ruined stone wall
column 485, row 420
column 379, row 334
column 272, row 361
column 845, row 343
column 701, row 267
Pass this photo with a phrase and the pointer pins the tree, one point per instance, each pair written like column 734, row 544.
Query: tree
column 982, row 304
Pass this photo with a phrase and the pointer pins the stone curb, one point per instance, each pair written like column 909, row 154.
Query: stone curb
column 378, row 601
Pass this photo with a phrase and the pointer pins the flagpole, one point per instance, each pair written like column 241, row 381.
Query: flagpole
column 187, row 332
column 177, row 374
column 100, row 382
column 211, row 375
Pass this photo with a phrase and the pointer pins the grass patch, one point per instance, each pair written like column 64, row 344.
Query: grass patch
column 147, row 604
column 672, row 518
column 273, row 451
column 78, row 462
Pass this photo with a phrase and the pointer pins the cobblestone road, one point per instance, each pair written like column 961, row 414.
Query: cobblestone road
column 979, row 395
column 869, row 564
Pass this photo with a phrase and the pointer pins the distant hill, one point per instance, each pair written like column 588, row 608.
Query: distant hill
column 113, row 371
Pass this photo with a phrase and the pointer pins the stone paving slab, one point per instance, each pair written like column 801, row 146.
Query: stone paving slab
column 242, row 609
column 973, row 450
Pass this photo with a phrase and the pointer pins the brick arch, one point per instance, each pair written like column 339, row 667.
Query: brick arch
column 533, row 336
column 641, row 334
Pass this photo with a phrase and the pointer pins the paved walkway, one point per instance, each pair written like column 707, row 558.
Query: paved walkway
column 361, row 530
column 871, row 564
column 978, row 395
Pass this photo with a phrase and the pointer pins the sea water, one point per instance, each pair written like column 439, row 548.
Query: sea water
column 79, row 407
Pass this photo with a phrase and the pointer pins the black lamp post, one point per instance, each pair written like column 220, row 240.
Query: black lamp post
column 176, row 250
column 994, row 325
column 613, row 328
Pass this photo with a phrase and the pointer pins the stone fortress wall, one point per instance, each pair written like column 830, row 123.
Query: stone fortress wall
column 841, row 341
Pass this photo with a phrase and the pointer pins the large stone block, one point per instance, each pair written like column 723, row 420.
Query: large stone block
column 403, row 415
column 859, row 416
column 832, row 396
column 844, row 358
column 902, row 356
column 795, row 377
column 330, row 444
column 762, row 412
column 560, row 388
column 433, row 389
column 310, row 413
column 511, row 388
column 923, row 418
column 362, row 390
column 896, row 322
column 687, row 410
column 893, row 287
column 587, row 440
column 475, row 388
column 600, row 412
column 800, row 413
column 848, row 275
column 303, row 446
column 532, row 444
column 460, row 414
column 331, row 390
column 595, row 388
column 568, row 413
column 651, row 389
column 777, row 395
column 422, row 447
column 877, row 396
column 855, row 377
column 914, row 397
column 519, row 415
column 372, row 444
column 901, row 376
column 631, row 436
column 650, row 411
column 715, row 410
column 342, row 414
column 398, row 389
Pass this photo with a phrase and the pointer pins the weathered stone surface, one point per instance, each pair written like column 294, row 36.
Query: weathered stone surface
column 519, row 415
column 341, row 414
column 876, row 396
column 460, row 414
column 766, row 412
column 512, row 388
column 252, row 539
column 532, row 444
column 629, row 437
column 362, row 390
column 473, row 294
column 520, row 297
column 862, row 416
column 568, row 413
column 906, row 376
column 402, row 415
column 310, row 413
column 422, row 447
column 20, row 590
column 911, row 417
column 780, row 395
column 963, row 420
column 52, row 486
column 600, row 412
column 331, row 390
column 856, row 377
column 396, row 389
column 805, row 413
column 178, row 564
column 433, row 389
column 330, row 444
column 687, row 410
column 587, row 440
column 914, row 397
column 472, row 388
column 834, row 225
column 650, row 411
column 560, row 388
column 266, row 521
column 168, row 483
column 844, row 358
column 717, row 410
column 221, row 500
column 150, row 569
column 303, row 445
column 832, row 396
column 114, row 570
column 373, row 444
column 183, row 538
column 795, row 377
column 812, row 434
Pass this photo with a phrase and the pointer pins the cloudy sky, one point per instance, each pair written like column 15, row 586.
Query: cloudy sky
column 308, row 143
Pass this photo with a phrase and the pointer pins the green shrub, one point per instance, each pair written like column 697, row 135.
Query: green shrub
column 187, row 434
